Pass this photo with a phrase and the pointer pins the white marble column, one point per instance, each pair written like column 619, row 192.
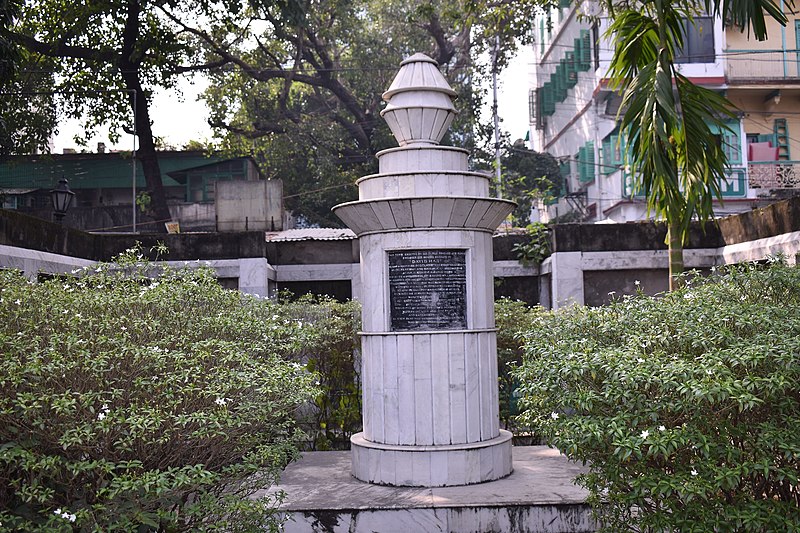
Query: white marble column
column 429, row 374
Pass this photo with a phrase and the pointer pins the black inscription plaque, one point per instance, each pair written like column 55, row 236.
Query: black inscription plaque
column 428, row 289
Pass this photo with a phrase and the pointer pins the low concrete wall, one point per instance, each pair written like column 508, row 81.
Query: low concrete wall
column 591, row 263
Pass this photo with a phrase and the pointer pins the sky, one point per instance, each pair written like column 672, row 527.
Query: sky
column 178, row 119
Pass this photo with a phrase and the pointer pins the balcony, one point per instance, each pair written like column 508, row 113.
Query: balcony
column 753, row 66
column 774, row 174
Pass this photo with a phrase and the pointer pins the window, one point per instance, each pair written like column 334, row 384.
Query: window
column 583, row 50
column 698, row 45
column 730, row 141
column 586, row 163
column 613, row 153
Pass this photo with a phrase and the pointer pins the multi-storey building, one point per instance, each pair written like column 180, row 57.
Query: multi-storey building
column 574, row 113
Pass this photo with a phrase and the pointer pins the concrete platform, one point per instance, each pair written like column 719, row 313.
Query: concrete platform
column 538, row 497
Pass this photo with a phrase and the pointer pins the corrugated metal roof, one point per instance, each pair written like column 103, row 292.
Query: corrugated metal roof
column 91, row 170
column 311, row 234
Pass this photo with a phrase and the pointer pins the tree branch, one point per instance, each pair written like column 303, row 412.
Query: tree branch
column 59, row 49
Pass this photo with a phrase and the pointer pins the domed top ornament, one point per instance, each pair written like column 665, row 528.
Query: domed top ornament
column 419, row 106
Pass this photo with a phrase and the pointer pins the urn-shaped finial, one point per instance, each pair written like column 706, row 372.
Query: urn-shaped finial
column 419, row 102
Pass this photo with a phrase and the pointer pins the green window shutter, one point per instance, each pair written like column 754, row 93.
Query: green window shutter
column 548, row 104
column 572, row 69
column 546, row 99
column 565, row 75
column 586, row 162
column 585, row 58
column 555, row 79
column 607, row 154
column 564, row 169
column 732, row 143
column 578, row 46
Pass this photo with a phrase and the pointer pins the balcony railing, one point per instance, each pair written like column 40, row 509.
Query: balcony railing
column 774, row 175
column 762, row 65
column 733, row 186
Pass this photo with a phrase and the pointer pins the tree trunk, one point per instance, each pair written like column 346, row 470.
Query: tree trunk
column 146, row 154
column 129, row 62
column 675, row 243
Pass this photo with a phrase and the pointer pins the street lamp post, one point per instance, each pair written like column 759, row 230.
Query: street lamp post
column 62, row 199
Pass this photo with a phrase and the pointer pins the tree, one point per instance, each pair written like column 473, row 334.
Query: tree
column 305, row 94
column 28, row 114
column 670, row 121
column 527, row 176
column 27, row 110
column 108, row 58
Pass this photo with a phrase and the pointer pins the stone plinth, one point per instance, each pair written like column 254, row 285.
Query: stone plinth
column 538, row 497
column 429, row 349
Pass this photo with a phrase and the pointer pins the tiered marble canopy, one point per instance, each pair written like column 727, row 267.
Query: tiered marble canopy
column 419, row 102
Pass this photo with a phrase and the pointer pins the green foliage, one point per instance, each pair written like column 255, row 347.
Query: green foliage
column 670, row 122
column 305, row 97
column 513, row 318
column 685, row 407
column 332, row 351
column 143, row 398
column 529, row 176
column 537, row 248
column 143, row 201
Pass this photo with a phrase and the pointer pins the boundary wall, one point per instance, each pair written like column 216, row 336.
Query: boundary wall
column 590, row 264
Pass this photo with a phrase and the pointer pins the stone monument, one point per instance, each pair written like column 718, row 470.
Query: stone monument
column 429, row 371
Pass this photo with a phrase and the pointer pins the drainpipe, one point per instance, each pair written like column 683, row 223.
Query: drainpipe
column 783, row 44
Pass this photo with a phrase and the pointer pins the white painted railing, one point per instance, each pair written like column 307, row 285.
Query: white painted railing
column 751, row 65
column 774, row 175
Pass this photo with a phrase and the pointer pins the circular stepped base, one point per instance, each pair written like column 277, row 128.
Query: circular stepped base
column 431, row 466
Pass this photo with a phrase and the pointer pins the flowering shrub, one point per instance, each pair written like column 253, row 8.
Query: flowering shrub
column 685, row 407
column 135, row 402
column 513, row 318
column 333, row 353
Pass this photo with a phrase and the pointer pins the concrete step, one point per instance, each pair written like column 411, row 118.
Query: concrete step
column 538, row 497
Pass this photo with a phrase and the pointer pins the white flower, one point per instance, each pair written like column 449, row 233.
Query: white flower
column 713, row 269
column 645, row 434
column 640, row 360
column 123, row 328
column 17, row 301
column 612, row 293
column 637, row 282
column 101, row 415
column 221, row 401
column 694, row 472
column 554, row 415
column 65, row 515
column 662, row 428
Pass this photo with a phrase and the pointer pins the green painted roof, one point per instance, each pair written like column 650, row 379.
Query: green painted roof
column 93, row 171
